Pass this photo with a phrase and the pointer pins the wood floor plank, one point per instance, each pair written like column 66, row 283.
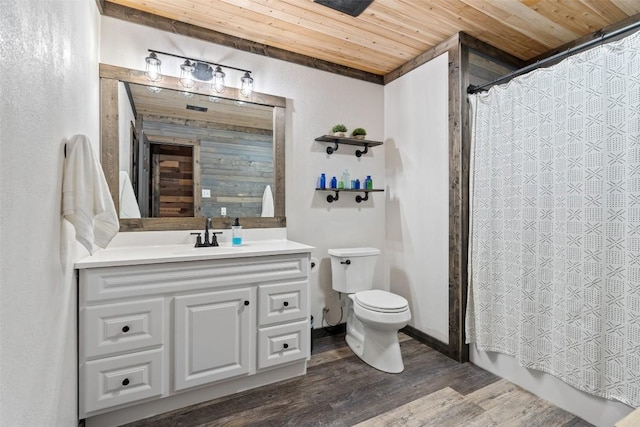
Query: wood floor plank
column 444, row 407
column 329, row 356
column 341, row 390
column 508, row 404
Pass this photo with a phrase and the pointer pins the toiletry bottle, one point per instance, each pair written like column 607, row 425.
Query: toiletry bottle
column 368, row 183
column 323, row 182
column 334, row 182
column 346, row 179
column 357, row 184
column 236, row 233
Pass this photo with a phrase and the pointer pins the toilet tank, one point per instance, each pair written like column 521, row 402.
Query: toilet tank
column 352, row 269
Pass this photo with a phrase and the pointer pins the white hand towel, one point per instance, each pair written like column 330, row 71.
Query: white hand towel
column 86, row 201
column 128, row 204
column 267, row 202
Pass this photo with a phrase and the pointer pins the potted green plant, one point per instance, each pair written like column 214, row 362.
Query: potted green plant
column 339, row 130
column 359, row 133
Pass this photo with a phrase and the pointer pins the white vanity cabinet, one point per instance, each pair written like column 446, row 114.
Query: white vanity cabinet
column 158, row 336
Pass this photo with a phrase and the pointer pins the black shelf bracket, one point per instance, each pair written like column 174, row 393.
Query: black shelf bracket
column 359, row 153
column 334, row 197
column 359, row 198
column 331, row 150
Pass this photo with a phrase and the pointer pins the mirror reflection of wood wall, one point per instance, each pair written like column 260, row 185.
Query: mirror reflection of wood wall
column 172, row 180
column 234, row 163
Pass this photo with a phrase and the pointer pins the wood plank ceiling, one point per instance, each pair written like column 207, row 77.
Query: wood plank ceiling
column 391, row 32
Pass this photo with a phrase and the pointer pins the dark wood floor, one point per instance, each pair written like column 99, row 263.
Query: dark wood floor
column 341, row 390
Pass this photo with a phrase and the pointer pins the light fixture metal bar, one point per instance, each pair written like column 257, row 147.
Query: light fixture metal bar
column 199, row 60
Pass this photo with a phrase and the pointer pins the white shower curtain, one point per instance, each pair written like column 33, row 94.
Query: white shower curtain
column 555, row 221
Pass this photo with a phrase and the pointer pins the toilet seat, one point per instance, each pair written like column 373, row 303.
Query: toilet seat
column 381, row 301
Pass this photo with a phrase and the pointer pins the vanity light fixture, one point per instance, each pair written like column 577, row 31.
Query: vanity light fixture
column 154, row 89
column 152, row 70
column 218, row 80
column 197, row 69
column 247, row 84
column 187, row 80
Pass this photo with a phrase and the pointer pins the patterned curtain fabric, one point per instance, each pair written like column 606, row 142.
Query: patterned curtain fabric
column 555, row 221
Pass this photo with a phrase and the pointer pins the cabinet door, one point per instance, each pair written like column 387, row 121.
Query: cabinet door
column 212, row 337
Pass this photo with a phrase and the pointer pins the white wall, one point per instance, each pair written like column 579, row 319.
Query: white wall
column 417, row 200
column 316, row 100
column 49, row 92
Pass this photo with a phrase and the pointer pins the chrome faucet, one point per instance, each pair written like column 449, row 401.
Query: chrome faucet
column 207, row 242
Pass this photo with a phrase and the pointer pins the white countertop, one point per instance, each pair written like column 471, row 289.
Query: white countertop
column 135, row 255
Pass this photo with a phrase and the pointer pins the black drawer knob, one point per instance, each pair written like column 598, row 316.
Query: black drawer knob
column 246, row 303
column 125, row 382
column 125, row 329
column 285, row 345
column 286, row 304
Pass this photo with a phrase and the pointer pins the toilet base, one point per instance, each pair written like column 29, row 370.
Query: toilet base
column 377, row 347
column 379, row 350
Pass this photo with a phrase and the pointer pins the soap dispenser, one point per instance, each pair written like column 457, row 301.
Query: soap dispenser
column 236, row 233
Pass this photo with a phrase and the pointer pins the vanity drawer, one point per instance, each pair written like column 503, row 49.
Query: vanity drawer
column 120, row 379
column 119, row 327
column 282, row 302
column 283, row 344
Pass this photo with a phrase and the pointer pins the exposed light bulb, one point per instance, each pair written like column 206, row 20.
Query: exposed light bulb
column 218, row 80
column 152, row 71
column 247, row 85
column 186, row 75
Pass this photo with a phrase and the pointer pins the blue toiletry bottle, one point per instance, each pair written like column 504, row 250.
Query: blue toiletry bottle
column 323, row 181
column 357, row 184
column 236, row 233
column 334, row 182
column 368, row 183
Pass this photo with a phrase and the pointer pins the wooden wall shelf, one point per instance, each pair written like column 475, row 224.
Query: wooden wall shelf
column 337, row 140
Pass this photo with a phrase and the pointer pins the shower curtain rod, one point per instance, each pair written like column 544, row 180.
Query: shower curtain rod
column 558, row 56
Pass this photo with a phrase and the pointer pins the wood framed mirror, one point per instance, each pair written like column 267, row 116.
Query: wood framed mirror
column 148, row 144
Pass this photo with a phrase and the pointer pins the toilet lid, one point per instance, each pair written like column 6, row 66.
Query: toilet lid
column 381, row 301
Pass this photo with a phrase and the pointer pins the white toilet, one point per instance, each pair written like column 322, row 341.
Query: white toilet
column 373, row 316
